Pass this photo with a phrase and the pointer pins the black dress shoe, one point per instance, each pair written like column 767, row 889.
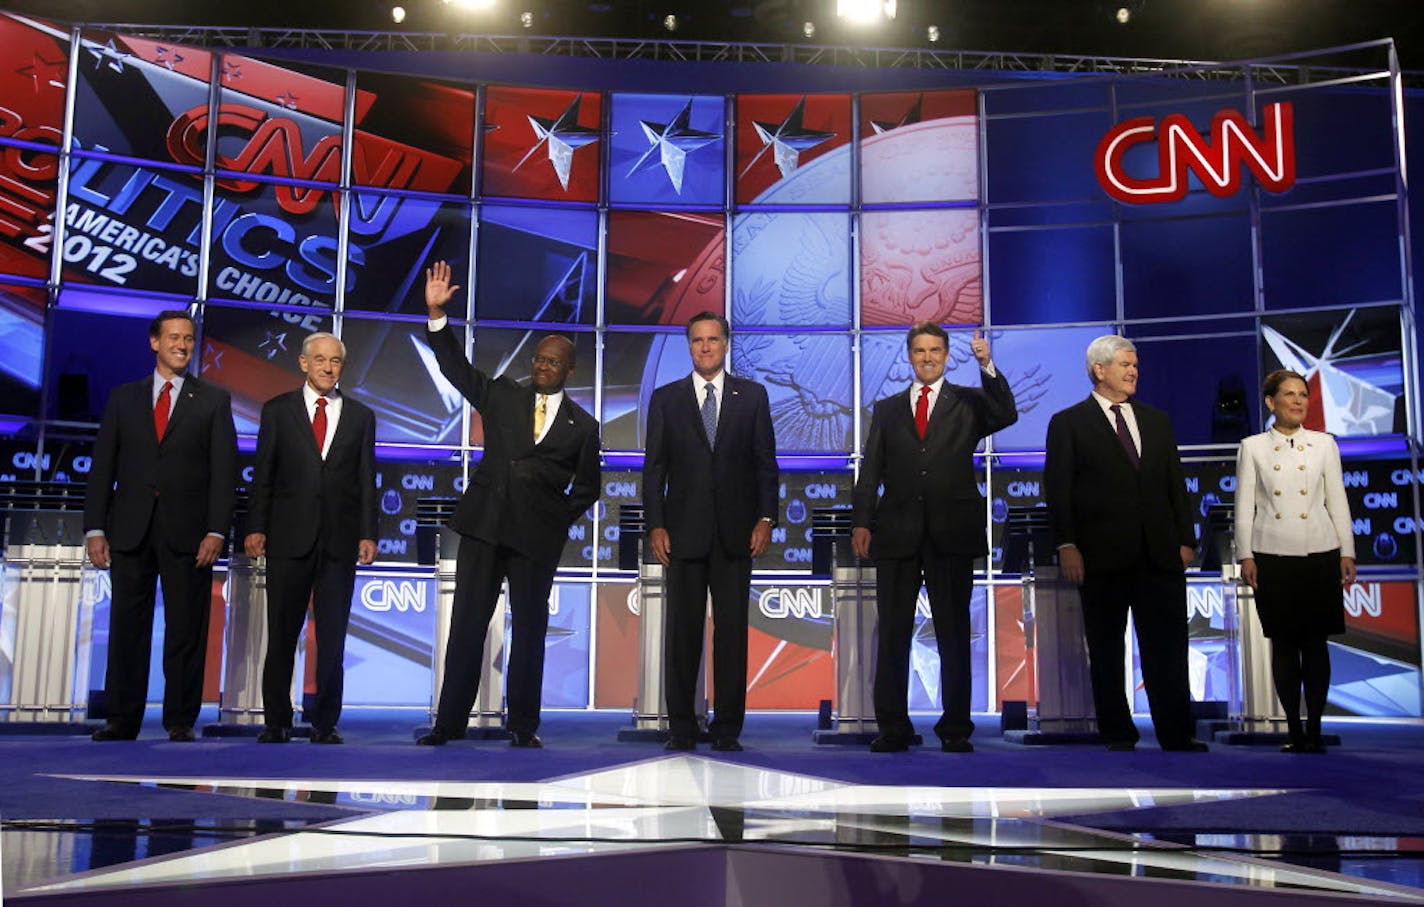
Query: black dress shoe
column 1186, row 746
column 1311, row 747
column 680, row 743
column 526, row 741
column 883, row 744
column 727, row 745
column 275, row 735
column 435, row 737
column 329, row 736
column 956, row 745
column 113, row 731
column 181, row 734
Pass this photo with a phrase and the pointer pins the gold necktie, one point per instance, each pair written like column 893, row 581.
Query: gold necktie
column 540, row 413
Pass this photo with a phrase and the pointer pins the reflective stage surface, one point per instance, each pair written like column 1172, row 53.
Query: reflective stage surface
column 677, row 801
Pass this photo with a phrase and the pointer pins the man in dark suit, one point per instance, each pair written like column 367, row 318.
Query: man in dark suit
column 709, row 498
column 540, row 471
column 312, row 514
column 159, row 506
column 926, row 526
column 1120, row 514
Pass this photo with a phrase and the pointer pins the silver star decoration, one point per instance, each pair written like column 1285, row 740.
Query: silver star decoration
column 911, row 116
column 212, row 358
column 231, row 70
column 274, row 343
column 672, row 142
column 287, row 100
column 665, row 802
column 108, row 55
column 787, row 140
column 168, row 56
column 562, row 136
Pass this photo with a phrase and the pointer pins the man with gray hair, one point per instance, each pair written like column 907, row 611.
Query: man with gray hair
column 1123, row 526
column 312, row 514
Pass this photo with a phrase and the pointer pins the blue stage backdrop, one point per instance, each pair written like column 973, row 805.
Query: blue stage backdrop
column 1230, row 222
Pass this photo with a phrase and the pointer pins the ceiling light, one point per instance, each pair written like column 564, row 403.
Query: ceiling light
column 526, row 19
column 1124, row 15
column 865, row 11
column 808, row 28
column 670, row 22
column 470, row 5
column 933, row 34
column 398, row 14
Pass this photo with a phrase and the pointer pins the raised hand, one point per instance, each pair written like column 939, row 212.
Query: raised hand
column 438, row 289
column 980, row 347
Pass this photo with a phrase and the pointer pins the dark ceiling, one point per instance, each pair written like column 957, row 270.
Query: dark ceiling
column 1172, row 29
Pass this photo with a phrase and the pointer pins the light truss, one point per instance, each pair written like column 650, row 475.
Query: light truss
column 256, row 39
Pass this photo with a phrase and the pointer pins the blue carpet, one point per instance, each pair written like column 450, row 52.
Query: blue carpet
column 1370, row 785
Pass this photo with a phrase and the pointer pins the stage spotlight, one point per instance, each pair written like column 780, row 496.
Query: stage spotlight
column 1124, row 15
column 471, row 5
column 398, row 14
column 865, row 11
column 526, row 19
column 670, row 22
column 808, row 29
column 933, row 34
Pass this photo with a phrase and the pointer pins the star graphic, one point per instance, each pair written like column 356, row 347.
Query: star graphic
column 287, row 100
column 274, row 343
column 673, row 142
column 212, row 358
column 1352, row 404
column 231, row 70
column 911, row 116
column 42, row 72
column 168, row 56
column 671, row 801
column 562, row 136
column 787, row 140
column 108, row 55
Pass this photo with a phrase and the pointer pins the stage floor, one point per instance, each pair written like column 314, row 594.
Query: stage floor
column 83, row 818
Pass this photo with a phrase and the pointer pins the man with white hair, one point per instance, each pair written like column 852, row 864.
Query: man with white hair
column 1120, row 514
column 312, row 513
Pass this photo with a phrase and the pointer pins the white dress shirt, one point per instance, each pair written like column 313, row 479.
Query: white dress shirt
column 699, row 384
column 1290, row 496
column 333, row 412
column 159, row 381
column 1128, row 416
column 555, row 400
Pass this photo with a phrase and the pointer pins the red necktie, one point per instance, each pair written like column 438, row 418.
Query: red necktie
column 922, row 411
column 319, row 424
column 160, row 409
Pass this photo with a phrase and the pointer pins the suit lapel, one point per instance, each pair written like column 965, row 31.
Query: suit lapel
column 297, row 411
column 1106, row 433
column 693, row 406
column 184, row 402
column 948, row 401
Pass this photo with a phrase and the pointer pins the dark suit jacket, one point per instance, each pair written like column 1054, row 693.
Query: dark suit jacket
column 930, row 486
column 523, row 495
column 298, row 499
column 188, row 477
column 697, row 493
column 1105, row 507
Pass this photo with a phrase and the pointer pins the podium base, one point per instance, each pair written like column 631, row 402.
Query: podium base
column 471, row 733
column 1249, row 737
column 49, row 728
column 222, row 730
column 834, row 737
column 1051, row 738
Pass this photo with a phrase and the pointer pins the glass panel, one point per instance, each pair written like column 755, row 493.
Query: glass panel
column 1207, row 385
column 1044, row 158
column 663, row 268
column 1163, row 273
column 791, row 268
column 142, row 98
column 395, row 238
column 921, row 266
column 413, row 133
column 276, row 243
column 667, row 150
column 1052, row 275
column 919, row 146
column 281, row 121
column 253, row 353
column 793, row 149
column 1317, row 257
column 542, row 144
column 390, row 368
column 542, row 265
column 808, row 380
column 22, row 312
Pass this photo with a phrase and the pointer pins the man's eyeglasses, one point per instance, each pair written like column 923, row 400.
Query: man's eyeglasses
column 549, row 361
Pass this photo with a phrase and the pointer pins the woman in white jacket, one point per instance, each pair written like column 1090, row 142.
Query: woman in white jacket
column 1296, row 549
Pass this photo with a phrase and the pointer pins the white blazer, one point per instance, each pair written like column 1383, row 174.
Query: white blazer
column 1290, row 497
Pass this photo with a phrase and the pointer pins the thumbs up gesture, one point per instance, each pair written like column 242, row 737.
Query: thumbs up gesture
column 980, row 347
